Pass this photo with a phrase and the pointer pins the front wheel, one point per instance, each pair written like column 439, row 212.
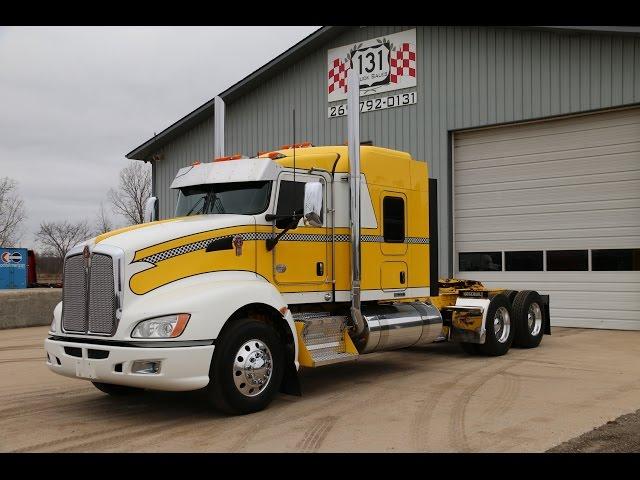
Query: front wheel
column 247, row 367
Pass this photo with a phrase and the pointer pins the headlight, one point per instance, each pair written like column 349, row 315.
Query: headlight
column 169, row 326
column 53, row 325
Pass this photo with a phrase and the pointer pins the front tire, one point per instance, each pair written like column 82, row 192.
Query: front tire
column 246, row 368
column 499, row 331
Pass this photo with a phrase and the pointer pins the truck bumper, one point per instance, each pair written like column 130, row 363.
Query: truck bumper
column 180, row 368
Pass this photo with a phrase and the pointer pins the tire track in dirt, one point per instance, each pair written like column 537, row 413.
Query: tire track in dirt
column 457, row 431
column 425, row 411
column 22, row 347
column 315, row 435
column 507, row 394
column 23, row 359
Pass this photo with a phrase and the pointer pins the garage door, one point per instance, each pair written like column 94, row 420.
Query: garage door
column 554, row 206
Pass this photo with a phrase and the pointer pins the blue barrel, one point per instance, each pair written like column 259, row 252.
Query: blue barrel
column 13, row 268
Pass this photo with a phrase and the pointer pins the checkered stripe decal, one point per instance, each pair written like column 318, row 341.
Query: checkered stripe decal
column 338, row 75
column 287, row 237
column 403, row 62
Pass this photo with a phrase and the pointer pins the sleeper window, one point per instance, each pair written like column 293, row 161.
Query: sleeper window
column 393, row 219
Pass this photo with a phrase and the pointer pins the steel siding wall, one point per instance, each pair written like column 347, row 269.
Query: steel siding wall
column 467, row 77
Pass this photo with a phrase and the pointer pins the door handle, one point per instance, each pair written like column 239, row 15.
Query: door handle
column 320, row 269
column 402, row 277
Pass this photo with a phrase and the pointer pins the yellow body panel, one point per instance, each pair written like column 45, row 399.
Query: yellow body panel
column 293, row 265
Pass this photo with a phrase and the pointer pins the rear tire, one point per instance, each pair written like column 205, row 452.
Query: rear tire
column 528, row 314
column 247, row 367
column 510, row 294
column 117, row 390
column 499, row 331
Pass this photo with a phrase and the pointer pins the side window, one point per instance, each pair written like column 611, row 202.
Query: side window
column 393, row 219
column 290, row 200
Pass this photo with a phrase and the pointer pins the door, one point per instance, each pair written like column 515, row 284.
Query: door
column 554, row 206
column 394, row 271
column 300, row 257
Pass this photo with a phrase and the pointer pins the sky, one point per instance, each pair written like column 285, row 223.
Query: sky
column 75, row 100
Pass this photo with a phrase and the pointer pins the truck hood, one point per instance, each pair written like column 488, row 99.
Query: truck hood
column 138, row 237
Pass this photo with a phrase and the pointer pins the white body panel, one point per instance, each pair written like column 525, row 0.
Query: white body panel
column 566, row 184
column 242, row 170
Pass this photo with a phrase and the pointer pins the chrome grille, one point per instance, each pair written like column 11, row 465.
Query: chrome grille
column 89, row 304
column 102, row 298
column 74, row 297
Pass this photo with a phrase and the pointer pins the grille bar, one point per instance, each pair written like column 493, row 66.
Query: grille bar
column 102, row 297
column 89, row 298
column 74, row 295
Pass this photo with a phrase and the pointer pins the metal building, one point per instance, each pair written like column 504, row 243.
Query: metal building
column 533, row 134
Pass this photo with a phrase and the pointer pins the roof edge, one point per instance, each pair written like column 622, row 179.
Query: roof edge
column 290, row 55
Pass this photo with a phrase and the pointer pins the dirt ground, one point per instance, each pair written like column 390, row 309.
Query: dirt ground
column 431, row 399
column 621, row 435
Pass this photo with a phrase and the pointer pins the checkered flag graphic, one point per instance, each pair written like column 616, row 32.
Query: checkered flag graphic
column 403, row 62
column 338, row 75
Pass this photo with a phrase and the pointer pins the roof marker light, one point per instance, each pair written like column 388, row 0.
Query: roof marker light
column 296, row 145
column 237, row 156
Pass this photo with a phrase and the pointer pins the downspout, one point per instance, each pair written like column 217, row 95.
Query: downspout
column 218, row 127
column 353, row 138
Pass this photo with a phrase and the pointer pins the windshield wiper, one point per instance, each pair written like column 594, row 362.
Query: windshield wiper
column 194, row 207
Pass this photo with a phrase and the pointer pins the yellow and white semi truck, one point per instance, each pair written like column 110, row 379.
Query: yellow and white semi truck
column 299, row 257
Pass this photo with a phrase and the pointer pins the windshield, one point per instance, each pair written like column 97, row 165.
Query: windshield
column 240, row 198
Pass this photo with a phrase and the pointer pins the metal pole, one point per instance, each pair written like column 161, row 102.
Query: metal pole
column 218, row 127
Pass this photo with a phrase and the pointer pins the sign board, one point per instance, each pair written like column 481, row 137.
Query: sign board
column 383, row 64
column 13, row 268
column 379, row 103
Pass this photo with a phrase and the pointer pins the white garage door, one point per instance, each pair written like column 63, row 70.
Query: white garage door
column 554, row 206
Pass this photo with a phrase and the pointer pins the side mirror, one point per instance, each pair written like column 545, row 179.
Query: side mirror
column 313, row 204
column 150, row 209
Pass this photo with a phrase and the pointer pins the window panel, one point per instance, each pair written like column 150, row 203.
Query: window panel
column 615, row 259
column 526, row 261
column 480, row 261
column 393, row 219
column 567, row 260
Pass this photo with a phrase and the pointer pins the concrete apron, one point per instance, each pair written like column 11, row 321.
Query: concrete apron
column 28, row 307
column 434, row 398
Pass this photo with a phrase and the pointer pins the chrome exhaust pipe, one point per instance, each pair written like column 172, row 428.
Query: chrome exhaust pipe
column 353, row 138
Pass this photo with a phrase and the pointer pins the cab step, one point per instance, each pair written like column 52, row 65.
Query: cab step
column 323, row 339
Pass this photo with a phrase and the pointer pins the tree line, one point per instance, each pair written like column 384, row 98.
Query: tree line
column 56, row 238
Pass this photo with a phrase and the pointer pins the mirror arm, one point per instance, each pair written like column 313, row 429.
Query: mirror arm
column 271, row 242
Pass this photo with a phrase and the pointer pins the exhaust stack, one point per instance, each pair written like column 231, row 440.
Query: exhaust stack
column 218, row 127
column 353, row 137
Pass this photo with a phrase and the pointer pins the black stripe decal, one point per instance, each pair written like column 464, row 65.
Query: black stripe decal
column 136, row 344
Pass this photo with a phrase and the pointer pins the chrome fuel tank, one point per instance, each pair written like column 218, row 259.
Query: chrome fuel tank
column 399, row 325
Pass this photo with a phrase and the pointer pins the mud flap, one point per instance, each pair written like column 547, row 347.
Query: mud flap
column 547, row 318
column 290, row 381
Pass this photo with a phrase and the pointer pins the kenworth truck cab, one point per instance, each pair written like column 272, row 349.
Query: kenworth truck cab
column 302, row 256
column 253, row 279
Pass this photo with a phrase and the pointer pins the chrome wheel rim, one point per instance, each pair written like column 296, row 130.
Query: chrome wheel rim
column 252, row 368
column 502, row 324
column 534, row 319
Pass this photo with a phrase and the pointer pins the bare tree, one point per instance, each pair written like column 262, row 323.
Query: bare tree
column 57, row 238
column 12, row 212
column 133, row 191
column 103, row 222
